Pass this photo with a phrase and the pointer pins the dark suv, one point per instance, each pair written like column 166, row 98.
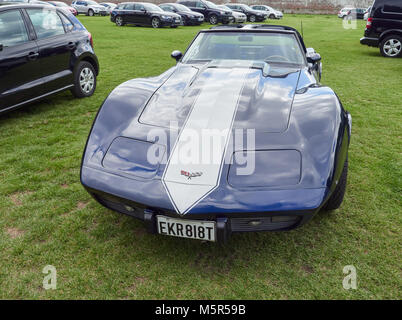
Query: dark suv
column 384, row 28
column 212, row 13
column 252, row 15
column 43, row 50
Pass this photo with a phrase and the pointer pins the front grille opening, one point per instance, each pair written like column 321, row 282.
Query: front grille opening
column 263, row 224
column 121, row 207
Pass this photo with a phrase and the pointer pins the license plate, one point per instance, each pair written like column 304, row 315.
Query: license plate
column 192, row 229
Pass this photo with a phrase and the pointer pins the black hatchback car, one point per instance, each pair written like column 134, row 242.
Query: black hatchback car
column 252, row 15
column 384, row 28
column 43, row 50
column 144, row 14
column 189, row 17
column 212, row 13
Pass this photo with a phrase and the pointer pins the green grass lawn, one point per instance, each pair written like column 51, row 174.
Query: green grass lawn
column 47, row 218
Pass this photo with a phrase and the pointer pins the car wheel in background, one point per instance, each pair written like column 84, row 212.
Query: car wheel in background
column 173, row 26
column 272, row 16
column 156, row 23
column 335, row 201
column 84, row 80
column 391, row 47
column 119, row 21
column 213, row 19
column 90, row 12
column 252, row 18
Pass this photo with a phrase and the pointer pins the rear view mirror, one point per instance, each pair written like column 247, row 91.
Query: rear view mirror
column 176, row 55
column 314, row 58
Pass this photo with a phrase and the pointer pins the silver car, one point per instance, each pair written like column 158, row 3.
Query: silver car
column 271, row 12
column 238, row 16
column 89, row 8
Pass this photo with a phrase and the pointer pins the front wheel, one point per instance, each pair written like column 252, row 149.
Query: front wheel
column 156, row 23
column 335, row 200
column 90, row 12
column 272, row 16
column 119, row 21
column 253, row 18
column 84, row 80
column 391, row 47
column 213, row 19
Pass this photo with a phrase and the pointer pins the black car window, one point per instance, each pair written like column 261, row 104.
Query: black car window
column 12, row 29
column 68, row 25
column 139, row 7
column 167, row 8
column 199, row 5
column 46, row 23
column 130, row 6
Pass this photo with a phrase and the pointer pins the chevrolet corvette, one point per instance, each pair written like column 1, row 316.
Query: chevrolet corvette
column 238, row 136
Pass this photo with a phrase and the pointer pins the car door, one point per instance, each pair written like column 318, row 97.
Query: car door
column 128, row 13
column 56, row 47
column 141, row 15
column 20, row 75
column 198, row 6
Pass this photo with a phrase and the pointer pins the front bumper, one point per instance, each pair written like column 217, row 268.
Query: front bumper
column 123, row 195
column 193, row 21
column 227, row 19
column 226, row 224
column 171, row 23
column 371, row 42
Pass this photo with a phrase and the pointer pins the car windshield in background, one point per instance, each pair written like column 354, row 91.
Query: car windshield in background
column 93, row 3
column 258, row 46
column 182, row 8
column 152, row 7
column 59, row 4
column 211, row 5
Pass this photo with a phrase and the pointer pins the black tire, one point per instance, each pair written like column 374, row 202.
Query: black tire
column 155, row 23
column 391, row 46
column 119, row 21
column 80, row 90
column 272, row 16
column 213, row 19
column 173, row 26
column 335, row 200
column 91, row 13
column 252, row 18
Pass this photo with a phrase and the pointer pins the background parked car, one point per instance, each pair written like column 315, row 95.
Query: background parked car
column 89, row 8
column 252, row 15
column 46, row 61
column 188, row 16
column 238, row 16
column 212, row 13
column 344, row 12
column 109, row 6
column 272, row 13
column 144, row 14
column 64, row 6
column 384, row 28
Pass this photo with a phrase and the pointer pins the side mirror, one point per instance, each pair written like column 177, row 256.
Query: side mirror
column 314, row 58
column 176, row 55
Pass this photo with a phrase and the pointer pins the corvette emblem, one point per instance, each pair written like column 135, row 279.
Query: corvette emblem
column 190, row 175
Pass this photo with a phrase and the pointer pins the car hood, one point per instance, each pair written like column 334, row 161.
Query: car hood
column 167, row 13
column 263, row 94
column 195, row 14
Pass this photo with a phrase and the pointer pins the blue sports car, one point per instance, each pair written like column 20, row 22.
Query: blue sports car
column 238, row 136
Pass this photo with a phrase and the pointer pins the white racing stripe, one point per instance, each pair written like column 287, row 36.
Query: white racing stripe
column 195, row 164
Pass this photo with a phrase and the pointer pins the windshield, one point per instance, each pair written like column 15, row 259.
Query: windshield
column 259, row 46
column 152, row 7
column 60, row 4
column 211, row 5
column 180, row 7
column 244, row 6
column 224, row 7
column 92, row 2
